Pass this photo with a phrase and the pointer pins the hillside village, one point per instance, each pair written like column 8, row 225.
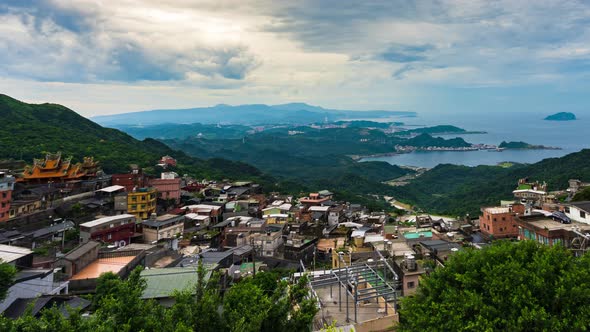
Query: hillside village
column 63, row 224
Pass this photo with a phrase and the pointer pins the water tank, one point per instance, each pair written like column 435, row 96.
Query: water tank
column 411, row 263
column 237, row 275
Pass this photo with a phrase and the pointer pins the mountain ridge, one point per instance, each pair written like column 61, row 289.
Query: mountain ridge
column 243, row 114
column 30, row 130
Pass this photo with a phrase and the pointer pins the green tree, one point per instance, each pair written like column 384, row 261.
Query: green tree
column 522, row 286
column 583, row 195
column 7, row 274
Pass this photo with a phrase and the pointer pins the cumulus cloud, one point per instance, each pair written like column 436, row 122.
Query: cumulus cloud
column 329, row 51
column 52, row 41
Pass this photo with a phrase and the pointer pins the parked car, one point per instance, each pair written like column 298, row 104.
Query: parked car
column 561, row 217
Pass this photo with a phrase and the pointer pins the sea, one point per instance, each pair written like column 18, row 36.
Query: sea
column 569, row 136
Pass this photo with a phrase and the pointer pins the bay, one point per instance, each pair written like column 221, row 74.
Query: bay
column 570, row 136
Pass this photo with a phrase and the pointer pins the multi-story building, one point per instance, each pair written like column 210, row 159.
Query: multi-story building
column 119, row 229
column 268, row 243
column 131, row 180
column 142, row 202
column 498, row 222
column 6, row 188
column 531, row 193
column 316, row 199
column 162, row 227
column 543, row 229
column 214, row 212
column 168, row 186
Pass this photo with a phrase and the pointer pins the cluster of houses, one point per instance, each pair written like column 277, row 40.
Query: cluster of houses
column 167, row 224
column 540, row 215
column 360, row 262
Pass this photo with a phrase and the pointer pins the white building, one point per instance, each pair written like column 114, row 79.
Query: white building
column 579, row 211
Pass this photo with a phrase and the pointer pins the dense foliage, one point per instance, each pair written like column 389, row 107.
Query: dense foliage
column 508, row 286
column 27, row 131
column 7, row 274
column 262, row 303
column 583, row 195
column 456, row 190
column 177, row 130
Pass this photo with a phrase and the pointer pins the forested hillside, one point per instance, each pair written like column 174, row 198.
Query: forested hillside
column 456, row 190
column 27, row 131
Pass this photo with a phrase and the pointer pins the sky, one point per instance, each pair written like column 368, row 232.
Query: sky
column 459, row 56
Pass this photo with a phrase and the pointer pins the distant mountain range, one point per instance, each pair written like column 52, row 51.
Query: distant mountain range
column 293, row 113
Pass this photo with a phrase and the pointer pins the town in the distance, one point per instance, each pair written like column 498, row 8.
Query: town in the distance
column 64, row 224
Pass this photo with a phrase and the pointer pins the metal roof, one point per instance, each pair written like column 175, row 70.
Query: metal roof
column 161, row 283
column 105, row 220
column 11, row 253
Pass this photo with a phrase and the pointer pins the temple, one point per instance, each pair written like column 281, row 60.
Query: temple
column 54, row 168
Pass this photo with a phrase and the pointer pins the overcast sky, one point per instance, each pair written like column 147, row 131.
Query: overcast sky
column 104, row 57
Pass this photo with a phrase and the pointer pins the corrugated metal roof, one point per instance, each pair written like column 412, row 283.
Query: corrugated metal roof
column 11, row 253
column 163, row 282
column 106, row 220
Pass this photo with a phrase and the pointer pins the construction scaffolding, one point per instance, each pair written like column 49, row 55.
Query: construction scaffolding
column 371, row 281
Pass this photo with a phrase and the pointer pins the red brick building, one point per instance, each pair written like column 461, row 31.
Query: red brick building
column 6, row 188
column 134, row 179
column 499, row 222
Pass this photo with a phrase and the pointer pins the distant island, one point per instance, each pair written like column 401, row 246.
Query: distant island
column 561, row 116
column 524, row 145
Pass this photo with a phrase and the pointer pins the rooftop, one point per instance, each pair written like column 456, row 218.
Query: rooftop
column 162, row 283
column 111, row 189
column 11, row 253
column 164, row 220
column 584, row 205
column 417, row 234
column 105, row 220
column 81, row 250
column 497, row 210
column 103, row 265
column 59, row 227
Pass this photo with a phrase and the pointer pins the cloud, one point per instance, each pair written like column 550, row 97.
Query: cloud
column 406, row 53
column 50, row 41
column 337, row 53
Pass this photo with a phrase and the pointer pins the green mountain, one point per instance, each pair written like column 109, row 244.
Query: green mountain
column 456, row 190
column 27, row 131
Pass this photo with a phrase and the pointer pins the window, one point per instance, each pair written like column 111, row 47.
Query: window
column 411, row 284
column 582, row 214
column 109, row 236
column 494, row 219
column 3, row 195
column 503, row 218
